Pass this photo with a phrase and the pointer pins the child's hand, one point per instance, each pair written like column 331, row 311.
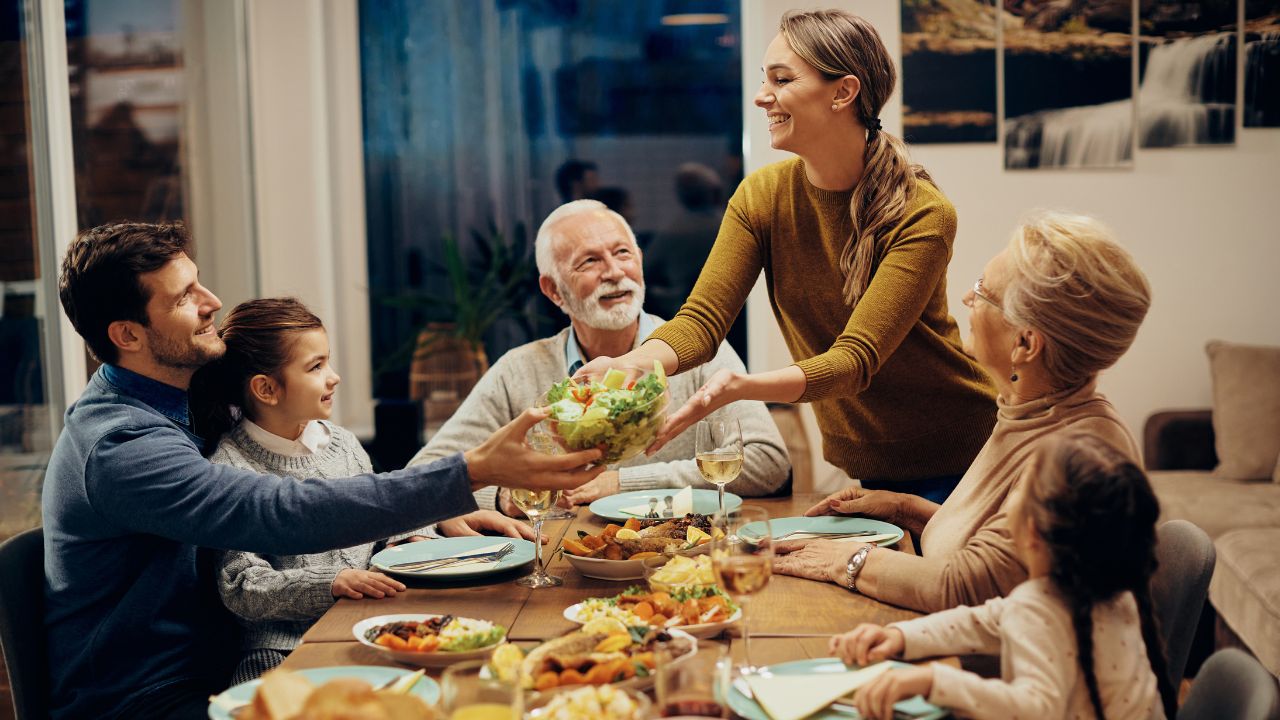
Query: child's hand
column 356, row 584
column 875, row 699
column 867, row 644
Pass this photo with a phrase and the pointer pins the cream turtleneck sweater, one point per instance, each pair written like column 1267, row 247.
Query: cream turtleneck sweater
column 966, row 551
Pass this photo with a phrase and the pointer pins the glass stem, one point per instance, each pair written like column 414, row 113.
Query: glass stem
column 720, row 488
column 537, row 545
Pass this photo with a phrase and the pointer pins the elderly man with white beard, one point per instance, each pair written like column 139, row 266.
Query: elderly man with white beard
column 590, row 267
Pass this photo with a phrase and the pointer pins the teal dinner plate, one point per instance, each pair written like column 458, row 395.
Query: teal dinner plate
column 440, row 548
column 705, row 502
column 426, row 688
column 917, row 707
column 826, row 524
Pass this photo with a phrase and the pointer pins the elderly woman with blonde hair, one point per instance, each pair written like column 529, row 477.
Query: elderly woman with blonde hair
column 1059, row 305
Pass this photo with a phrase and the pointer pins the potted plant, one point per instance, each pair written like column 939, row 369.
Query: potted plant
column 448, row 354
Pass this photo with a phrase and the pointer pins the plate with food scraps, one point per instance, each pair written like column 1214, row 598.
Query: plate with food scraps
column 224, row 705
column 392, row 559
column 703, row 612
column 429, row 640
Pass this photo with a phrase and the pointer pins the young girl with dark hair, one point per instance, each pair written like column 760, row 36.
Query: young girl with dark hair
column 1078, row 638
column 265, row 406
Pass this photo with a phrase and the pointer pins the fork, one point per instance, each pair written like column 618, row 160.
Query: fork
column 830, row 535
column 437, row 563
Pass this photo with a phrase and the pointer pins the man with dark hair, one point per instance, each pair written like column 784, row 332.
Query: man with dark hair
column 576, row 179
column 128, row 497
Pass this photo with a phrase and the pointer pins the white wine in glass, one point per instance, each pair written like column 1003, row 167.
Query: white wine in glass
column 537, row 505
column 742, row 557
column 718, row 452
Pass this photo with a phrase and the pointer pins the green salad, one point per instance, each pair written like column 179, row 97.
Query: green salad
column 623, row 419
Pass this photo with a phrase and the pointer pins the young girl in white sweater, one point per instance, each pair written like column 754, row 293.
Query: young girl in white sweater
column 1077, row 639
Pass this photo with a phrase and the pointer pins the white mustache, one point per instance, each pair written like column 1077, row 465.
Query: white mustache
column 623, row 285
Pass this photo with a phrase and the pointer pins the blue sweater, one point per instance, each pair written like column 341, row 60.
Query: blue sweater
column 128, row 498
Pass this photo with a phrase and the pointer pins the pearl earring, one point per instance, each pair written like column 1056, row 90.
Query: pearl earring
column 835, row 106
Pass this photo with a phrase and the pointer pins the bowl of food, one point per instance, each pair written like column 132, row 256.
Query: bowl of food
column 429, row 640
column 702, row 612
column 618, row 552
column 589, row 702
column 619, row 417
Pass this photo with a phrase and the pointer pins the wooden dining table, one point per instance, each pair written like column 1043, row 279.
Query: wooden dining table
column 790, row 619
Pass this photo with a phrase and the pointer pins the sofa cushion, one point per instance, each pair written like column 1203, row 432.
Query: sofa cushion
column 1215, row 504
column 1245, row 590
column 1246, row 409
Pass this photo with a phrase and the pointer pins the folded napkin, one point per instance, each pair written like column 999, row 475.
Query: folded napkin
column 466, row 566
column 681, row 505
column 792, row 697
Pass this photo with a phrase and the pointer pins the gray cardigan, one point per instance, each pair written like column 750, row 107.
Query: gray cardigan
column 519, row 378
column 277, row 597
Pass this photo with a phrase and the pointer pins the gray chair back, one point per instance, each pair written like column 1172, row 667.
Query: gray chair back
column 1179, row 588
column 22, row 622
column 1231, row 684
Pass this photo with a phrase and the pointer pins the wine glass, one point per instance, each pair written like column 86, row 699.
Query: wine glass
column 718, row 451
column 693, row 686
column 535, row 504
column 742, row 557
column 469, row 692
column 541, row 440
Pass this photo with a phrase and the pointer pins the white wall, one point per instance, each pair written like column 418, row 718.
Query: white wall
column 308, row 165
column 1201, row 222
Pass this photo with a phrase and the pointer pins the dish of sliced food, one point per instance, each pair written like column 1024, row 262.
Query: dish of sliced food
column 429, row 640
column 700, row 611
column 602, row 654
column 327, row 693
column 638, row 539
column 592, row 702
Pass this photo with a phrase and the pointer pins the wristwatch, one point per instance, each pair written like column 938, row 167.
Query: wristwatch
column 856, row 561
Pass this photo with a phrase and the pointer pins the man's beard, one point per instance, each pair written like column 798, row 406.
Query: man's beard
column 183, row 355
column 589, row 310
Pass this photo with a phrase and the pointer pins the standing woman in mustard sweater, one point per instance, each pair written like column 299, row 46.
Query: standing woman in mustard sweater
column 854, row 242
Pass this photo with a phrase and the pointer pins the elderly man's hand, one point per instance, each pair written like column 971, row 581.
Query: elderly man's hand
column 506, row 460
column 602, row 364
column 821, row 560
column 605, row 484
column 482, row 520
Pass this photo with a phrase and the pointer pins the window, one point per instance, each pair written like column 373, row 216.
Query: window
column 471, row 109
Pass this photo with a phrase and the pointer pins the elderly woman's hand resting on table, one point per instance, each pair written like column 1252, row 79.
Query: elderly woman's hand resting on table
column 879, row 504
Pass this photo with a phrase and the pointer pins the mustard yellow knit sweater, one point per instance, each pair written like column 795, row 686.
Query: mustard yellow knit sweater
column 894, row 393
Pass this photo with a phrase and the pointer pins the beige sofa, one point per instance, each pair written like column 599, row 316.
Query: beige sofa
column 1212, row 468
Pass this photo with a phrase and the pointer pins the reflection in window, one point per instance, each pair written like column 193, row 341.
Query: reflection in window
column 487, row 114
column 126, row 76
column 26, row 436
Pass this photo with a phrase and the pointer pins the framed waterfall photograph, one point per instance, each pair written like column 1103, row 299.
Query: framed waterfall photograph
column 1261, row 63
column 1068, row 84
column 949, row 71
column 1187, row 62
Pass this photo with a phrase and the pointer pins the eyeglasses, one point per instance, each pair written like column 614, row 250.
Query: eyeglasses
column 978, row 293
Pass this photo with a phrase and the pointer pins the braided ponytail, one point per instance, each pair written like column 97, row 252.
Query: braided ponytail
column 1082, row 619
column 837, row 44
